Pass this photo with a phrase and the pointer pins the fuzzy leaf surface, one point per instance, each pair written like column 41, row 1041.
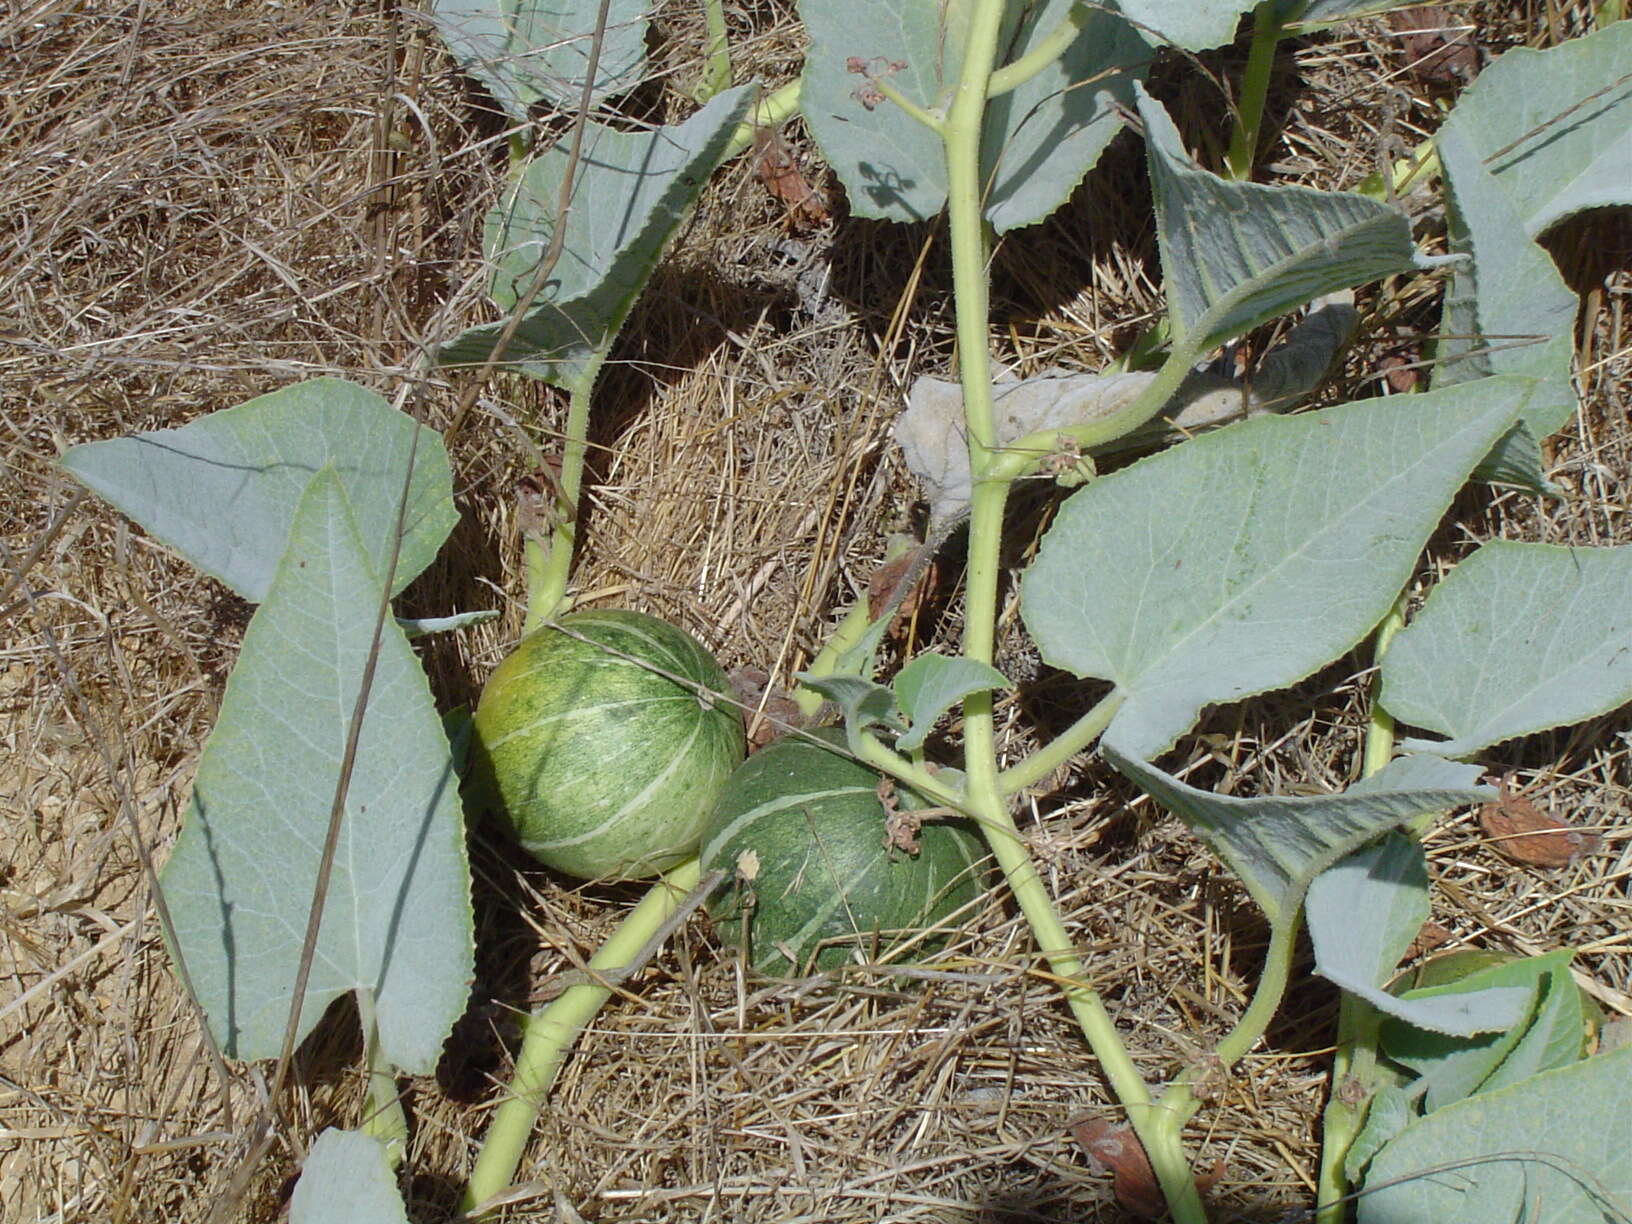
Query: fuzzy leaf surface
column 932, row 684
column 222, row 490
column 346, row 1180
column 1242, row 560
column 1235, row 255
column 1039, row 141
column 1550, row 1149
column 1519, row 638
column 1195, row 25
column 1540, row 136
column 630, row 190
column 537, row 51
column 239, row 882
column 1276, row 845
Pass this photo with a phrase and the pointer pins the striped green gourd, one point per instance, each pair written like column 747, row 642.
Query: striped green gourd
column 603, row 766
column 822, row 878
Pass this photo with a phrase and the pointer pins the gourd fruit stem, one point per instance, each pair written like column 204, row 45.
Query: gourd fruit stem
column 961, row 140
column 549, row 1034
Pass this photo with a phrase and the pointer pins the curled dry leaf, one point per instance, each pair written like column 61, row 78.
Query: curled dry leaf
column 1523, row 833
column 780, row 173
column 767, row 710
column 1117, row 1150
column 1431, row 938
column 882, row 587
column 1438, row 50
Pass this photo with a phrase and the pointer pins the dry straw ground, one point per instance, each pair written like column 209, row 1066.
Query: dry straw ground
column 202, row 201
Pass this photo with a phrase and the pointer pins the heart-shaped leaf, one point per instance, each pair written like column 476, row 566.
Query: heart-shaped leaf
column 222, row 490
column 1235, row 255
column 1040, row 139
column 630, row 190
column 239, row 882
column 1519, row 638
column 1243, row 560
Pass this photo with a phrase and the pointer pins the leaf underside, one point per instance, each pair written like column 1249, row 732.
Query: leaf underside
column 239, row 882
column 346, row 1180
column 222, row 490
column 1243, row 560
column 1519, row 638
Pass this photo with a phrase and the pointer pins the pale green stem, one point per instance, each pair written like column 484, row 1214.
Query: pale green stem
column 717, row 75
column 1020, row 458
column 549, row 1036
column 547, row 574
column 1422, row 162
column 1048, row 49
column 383, row 1115
column 1354, row 1061
column 961, row 134
column 1179, row 1101
column 913, row 773
column 770, row 111
column 1040, row 764
column 1266, row 37
column 907, row 106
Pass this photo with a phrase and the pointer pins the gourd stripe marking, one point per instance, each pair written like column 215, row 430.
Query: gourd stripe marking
column 819, row 918
column 676, row 760
column 601, row 707
column 772, row 806
column 661, row 647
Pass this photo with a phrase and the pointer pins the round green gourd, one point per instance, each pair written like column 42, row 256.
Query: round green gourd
column 820, row 869
column 603, row 767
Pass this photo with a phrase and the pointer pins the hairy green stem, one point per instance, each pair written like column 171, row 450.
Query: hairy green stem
column 1021, row 458
column 1049, row 48
column 1180, row 1101
column 383, row 1115
column 1266, row 37
column 717, row 72
column 1354, row 1062
column 547, row 579
column 961, row 134
column 1062, row 748
column 549, row 1036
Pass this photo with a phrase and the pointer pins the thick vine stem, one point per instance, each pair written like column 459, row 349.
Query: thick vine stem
column 961, row 136
column 547, row 573
column 1266, row 37
column 549, row 1036
column 1354, row 1063
column 1048, row 49
column 383, row 1115
column 1052, row 755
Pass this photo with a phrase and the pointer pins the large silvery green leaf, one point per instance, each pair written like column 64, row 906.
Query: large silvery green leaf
column 1453, row 1067
column 1242, row 560
column 1519, row 638
column 537, row 51
column 1277, row 845
column 1235, row 255
column 1194, row 25
column 1540, row 136
column 1388, row 883
column 1040, row 138
column 398, row 918
column 630, row 190
column 222, row 490
column 346, row 1180
column 1303, row 13
column 1550, row 1149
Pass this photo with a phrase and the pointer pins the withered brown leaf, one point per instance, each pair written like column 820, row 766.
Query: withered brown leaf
column 780, row 173
column 1117, row 1150
column 1522, row 833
